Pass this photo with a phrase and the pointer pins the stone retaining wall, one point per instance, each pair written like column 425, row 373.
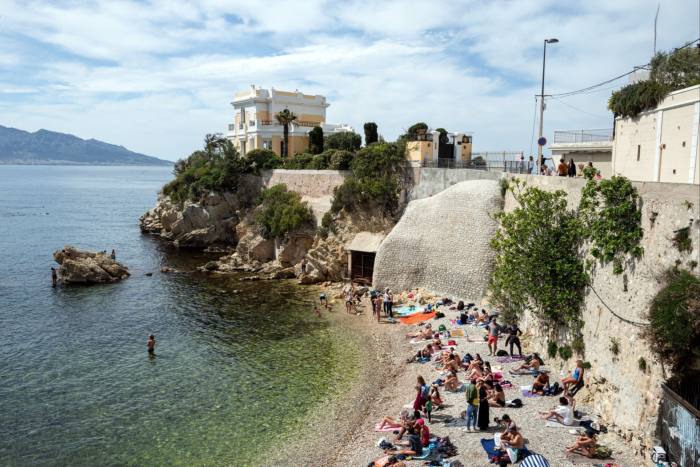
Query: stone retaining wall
column 618, row 389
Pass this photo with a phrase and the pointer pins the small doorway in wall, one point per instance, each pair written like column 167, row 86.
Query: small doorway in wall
column 446, row 151
column 362, row 266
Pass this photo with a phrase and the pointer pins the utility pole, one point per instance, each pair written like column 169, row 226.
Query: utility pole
column 539, row 140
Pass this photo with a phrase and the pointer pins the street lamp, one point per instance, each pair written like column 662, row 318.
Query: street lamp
column 539, row 140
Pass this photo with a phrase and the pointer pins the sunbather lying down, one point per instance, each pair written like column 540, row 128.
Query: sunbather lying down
column 389, row 460
column 426, row 333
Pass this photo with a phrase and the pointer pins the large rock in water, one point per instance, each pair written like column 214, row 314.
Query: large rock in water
column 86, row 267
column 441, row 243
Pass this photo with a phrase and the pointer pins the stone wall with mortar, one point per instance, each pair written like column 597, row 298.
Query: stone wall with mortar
column 431, row 181
column 314, row 186
column 441, row 243
column 618, row 389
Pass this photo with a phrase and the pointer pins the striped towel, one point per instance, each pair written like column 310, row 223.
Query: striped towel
column 534, row 460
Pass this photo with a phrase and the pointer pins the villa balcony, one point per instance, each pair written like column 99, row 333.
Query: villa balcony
column 582, row 136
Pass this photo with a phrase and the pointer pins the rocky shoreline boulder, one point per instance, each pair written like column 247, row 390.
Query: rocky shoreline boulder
column 86, row 267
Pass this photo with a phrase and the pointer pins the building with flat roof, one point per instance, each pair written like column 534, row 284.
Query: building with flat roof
column 255, row 127
column 584, row 146
column 661, row 144
column 433, row 149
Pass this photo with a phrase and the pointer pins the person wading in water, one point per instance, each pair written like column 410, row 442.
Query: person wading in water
column 151, row 344
column 54, row 277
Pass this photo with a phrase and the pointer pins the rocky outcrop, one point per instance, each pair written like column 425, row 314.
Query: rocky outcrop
column 86, row 267
column 441, row 243
column 210, row 221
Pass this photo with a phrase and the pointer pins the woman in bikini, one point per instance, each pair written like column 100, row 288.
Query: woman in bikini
column 497, row 397
column 575, row 378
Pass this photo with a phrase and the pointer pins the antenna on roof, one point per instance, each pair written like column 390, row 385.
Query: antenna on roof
column 656, row 20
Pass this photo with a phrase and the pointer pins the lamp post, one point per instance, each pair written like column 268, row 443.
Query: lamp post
column 539, row 146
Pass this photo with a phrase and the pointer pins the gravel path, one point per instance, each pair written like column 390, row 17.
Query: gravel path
column 348, row 438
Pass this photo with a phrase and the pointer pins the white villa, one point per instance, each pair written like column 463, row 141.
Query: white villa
column 255, row 126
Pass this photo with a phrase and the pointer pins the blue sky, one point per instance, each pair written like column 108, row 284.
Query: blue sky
column 155, row 76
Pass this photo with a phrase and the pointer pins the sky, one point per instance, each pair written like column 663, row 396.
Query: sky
column 156, row 76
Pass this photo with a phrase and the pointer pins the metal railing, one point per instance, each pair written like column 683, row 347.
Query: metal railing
column 582, row 136
column 679, row 427
column 518, row 167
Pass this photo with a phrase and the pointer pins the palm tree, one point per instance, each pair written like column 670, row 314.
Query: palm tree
column 285, row 118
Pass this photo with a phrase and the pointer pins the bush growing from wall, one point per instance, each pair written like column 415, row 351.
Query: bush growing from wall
column 347, row 141
column 340, row 159
column 299, row 161
column 610, row 210
column 539, row 263
column 674, row 317
column 282, row 211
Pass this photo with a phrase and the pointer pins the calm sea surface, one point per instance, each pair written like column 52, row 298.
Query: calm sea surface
column 233, row 372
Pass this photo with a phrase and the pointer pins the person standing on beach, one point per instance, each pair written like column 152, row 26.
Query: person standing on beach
column 472, row 395
column 113, row 255
column 54, row 277
column 493, row 337
column 151, row 344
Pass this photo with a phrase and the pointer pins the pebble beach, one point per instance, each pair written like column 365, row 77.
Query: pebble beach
column 341, row 432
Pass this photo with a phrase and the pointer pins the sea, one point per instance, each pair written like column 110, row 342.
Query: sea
column 239, row 365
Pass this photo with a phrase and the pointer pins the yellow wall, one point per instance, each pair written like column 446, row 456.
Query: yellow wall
column 311, row 118
column 297, row 144
column 466, row 151
column 276, row 144
column 419, row 150
column 264, row 115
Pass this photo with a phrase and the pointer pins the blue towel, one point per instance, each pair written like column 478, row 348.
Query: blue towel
column 489, row 446
column 424, row 454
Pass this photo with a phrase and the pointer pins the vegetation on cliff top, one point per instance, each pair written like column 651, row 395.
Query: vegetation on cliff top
column 670, row 71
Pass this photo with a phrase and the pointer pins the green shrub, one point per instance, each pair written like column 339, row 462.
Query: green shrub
column 674, row 319
column 642, row 364
column 586, row 365
column 415, row 130
column 371, row 135
column 610, row 210
column 565, row 352
column 346, row 140
column 327, row 225
column 262, row 159
column 578, row 346
column 374, row 183
column 340, row 159
column 682, row 240
column 217, row 168
column 539, row 263
column 282, row 211
column 615, row 346
column 299, row 161
column 479, row 161
column 669, row 72
column 552, row 348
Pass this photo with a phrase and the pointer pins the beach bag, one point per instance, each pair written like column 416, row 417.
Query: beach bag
column 442, row 327
column 467, row 358
column 515, row 403
column 438, row 315
column 501, row 353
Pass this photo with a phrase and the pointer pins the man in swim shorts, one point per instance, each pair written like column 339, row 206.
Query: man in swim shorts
column 151, row 344
column 493, row 337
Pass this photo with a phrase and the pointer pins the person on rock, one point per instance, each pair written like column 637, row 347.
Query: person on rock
column 113, row 255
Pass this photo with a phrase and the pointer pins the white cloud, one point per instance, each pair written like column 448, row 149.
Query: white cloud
column 155, row 76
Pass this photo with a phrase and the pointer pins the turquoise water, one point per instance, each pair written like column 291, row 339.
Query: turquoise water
column 233, row 372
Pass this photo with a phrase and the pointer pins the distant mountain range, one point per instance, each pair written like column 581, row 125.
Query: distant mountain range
column 49, row 147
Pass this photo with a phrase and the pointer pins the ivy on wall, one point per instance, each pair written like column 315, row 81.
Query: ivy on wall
column 611, row 213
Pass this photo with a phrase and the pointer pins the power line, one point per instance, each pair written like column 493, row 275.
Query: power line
column 629, row 321
column 643, row 67
column 577, row 109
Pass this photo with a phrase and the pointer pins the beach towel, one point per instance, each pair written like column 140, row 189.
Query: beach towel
column 408, row 310
column 509, row 359
column 489, row 446
column 553, row 424
column 417, row 318
column 527, row 391
column 386, row 428
column 424, row 454
column 456, row 332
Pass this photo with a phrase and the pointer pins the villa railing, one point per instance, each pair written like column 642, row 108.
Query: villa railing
column 511, row 166
column 582, row 136
column 297, row 123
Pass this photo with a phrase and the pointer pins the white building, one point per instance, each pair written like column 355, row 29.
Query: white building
column 255, row 126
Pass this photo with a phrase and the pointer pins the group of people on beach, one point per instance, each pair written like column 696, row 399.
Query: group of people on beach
column 483, row 389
